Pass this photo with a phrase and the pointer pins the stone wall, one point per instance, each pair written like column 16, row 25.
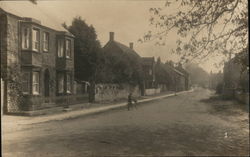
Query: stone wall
column 13, row 64
column 152, row 91
column 112, row 92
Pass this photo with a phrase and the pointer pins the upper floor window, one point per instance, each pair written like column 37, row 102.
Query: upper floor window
column 25, row 38
column 68, row 48
column 60, row 47
column 46, row 41
column 35, row 83
column 35, row 39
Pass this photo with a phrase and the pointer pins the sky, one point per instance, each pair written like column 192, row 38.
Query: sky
column 128, row 19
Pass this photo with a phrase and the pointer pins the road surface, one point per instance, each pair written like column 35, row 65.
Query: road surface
column 187, row 124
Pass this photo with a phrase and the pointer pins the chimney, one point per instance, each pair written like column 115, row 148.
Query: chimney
column 131, row 45
column 111, row 36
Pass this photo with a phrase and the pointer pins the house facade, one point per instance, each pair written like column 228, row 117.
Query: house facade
column 37, row 63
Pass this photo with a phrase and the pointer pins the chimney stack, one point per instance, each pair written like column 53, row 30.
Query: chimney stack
column 131, row 45
column 111, row 36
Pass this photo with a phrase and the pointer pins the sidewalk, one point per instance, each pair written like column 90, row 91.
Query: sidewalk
column 14, row 121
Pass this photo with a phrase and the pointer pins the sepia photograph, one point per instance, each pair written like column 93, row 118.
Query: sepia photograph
column 124, row 78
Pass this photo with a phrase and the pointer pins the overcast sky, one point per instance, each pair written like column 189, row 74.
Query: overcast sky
column 129, row 19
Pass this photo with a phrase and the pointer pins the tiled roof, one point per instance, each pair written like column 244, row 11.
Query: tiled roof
column 30, row 10
column 148, row 60
column 126, row 49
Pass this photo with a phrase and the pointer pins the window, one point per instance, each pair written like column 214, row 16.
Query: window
column 60, row 82
column 46, row 42
column 68, row 48
column 35, row 39
column 60, row 47
column 35, row 83
column 150, row 72
column 25, row 82
column 68, row 83
column 25, row 38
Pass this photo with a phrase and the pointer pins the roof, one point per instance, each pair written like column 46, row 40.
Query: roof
column 148, row 60
column 27, row 9
column 174, row 69
column 122, row 47
column 126, row 49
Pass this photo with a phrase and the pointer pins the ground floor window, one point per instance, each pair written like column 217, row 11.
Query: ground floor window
column 35, row 83
column 68, row 83
column 60, row 82
column 25, row 82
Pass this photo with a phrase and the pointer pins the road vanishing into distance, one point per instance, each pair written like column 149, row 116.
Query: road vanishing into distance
column 196, row 123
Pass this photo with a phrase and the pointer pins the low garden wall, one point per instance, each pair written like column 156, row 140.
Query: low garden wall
column 152, row 91
column 113, row 92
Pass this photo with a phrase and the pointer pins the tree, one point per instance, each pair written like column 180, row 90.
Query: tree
column 205, row 28
column 87, row 53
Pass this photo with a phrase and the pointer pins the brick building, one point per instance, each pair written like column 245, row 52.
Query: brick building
column 37, row 61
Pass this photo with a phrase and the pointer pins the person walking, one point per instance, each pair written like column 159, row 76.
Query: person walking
column 129, row 100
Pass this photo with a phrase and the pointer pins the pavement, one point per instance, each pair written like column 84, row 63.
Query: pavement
column 11, row 123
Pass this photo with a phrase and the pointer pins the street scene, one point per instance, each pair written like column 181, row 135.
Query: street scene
column 124, row 78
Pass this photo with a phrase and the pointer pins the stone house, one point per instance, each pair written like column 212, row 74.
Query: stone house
column 37, row 62
column 124, row 64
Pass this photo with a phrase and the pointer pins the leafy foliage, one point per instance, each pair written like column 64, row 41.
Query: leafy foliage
column 123, row 68
column 205, row 28
column 87, row 50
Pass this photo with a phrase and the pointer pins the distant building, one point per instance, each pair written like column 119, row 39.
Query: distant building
column 148, row 66
column 186, row 75
column 37, row 61
column 178, row 78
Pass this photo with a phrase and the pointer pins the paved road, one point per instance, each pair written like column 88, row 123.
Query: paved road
column 188, row 124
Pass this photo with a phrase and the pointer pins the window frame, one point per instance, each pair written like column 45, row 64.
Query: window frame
column 46, row 42
column 37, row 41
column 35, row 83
column 68, row 83
column 68, row 48
column 60, row 48
column 27, row 82
column 25, row 38
column 60, row 83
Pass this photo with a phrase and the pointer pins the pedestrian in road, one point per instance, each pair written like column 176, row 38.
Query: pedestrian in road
column 131, row 99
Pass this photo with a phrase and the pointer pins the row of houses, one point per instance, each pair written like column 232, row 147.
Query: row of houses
column 37, row 67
